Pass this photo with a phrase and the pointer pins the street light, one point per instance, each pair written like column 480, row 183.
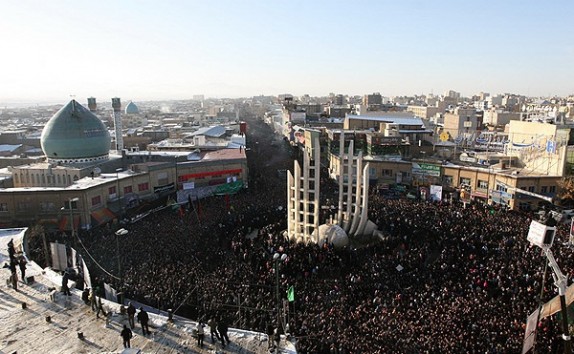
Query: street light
column 118, row 170
column 278, row 258
column 542, row 235
column 120, row 232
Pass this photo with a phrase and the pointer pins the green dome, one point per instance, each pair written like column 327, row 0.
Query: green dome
column 75, row 135
column 131, row 108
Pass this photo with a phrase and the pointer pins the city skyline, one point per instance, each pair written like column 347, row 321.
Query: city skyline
column 174, row 50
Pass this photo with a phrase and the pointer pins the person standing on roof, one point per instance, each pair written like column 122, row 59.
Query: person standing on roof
column 131, row 310
column 213, row 330
column 126, row 335
column 11, row 249
column 143, row 318
column 222, row 329
column 200, row 333
column 65, row 288
column 22, row 266
column 13, row 275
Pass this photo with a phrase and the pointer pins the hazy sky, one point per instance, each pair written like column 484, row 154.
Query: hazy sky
column 142, row 50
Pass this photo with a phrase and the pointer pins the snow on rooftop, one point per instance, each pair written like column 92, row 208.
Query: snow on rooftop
column 26, row 330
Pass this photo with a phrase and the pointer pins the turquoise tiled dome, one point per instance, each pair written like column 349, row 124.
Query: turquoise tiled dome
column 131, row 108
column 75, row 134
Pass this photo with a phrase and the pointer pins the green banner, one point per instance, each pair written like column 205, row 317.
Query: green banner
column 426, row 169
column 229, row 188
column 291, row 294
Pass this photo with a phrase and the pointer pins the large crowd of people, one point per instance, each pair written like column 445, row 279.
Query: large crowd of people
column 446, row 278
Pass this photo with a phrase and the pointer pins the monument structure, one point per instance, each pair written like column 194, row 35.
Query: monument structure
column 303, row 192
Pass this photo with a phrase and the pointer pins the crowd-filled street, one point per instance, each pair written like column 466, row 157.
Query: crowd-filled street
column 447, row 279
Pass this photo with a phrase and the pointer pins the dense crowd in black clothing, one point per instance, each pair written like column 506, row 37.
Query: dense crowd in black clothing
column 467, row 279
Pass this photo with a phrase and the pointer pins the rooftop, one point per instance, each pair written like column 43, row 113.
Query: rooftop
column 26, row 330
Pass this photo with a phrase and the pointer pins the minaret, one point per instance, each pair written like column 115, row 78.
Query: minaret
column 92, row 106
column 117, row 105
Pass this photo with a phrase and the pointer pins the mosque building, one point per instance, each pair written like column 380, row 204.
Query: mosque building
column 133, row 118
column 84, row 180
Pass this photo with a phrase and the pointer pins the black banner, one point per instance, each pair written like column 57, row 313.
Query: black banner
column 165, row 188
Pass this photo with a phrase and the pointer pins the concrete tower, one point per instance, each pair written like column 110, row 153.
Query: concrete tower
column 353, row 190
column 92, row 106
column 303, row 191
column 117, row 105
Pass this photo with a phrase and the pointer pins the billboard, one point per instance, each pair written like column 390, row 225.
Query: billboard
column 435, row 193
column 426, row 169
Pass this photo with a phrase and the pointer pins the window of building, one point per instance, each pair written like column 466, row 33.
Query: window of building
column 531, row 189
column 127, row 189
column 448, row 180
column 544, row 189
column 482, row 184
column 552, row 189
column 3, row 207
column 464, row 181
column 501, row 188
column 47, row 206
column 97, row 200
column 372, row 171
column 24, row 206
column 143, row 187
column 387, row 173
column 112, row 190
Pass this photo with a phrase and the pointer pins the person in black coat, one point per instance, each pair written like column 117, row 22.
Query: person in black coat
column 22, row 266
column 126, row 335
column 222, row 329
column 13, row 275
column 11, row 250
column 143, row 318
column 65, row 288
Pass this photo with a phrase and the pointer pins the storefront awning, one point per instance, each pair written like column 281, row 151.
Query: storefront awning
column 102, row 216
column 65, row 222
column 50, row 224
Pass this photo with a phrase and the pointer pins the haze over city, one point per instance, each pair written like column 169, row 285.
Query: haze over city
column 145, row 50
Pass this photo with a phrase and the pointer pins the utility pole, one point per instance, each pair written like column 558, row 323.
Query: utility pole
column 542, row 235
column 561, row 281
column 120, row 232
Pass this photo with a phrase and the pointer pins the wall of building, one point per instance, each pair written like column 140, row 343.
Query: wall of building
column 540, row 147
column 498, row 186
column 43, row 175
column 499, row 118
column 423, row 111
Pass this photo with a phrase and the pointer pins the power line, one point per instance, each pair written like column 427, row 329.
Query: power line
column 96, row 262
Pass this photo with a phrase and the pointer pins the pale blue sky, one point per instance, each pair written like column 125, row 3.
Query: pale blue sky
column 142, row 50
